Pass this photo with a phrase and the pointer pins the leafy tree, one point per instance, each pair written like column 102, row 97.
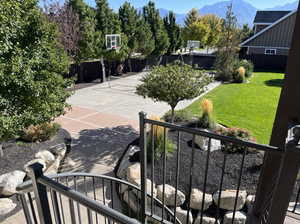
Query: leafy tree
column 215, row 28
column 197, row 31
column 152, row 17
column 174, row 32
column 173, row 83
column 68, row 24
column 32, row 62
column 228, row 47
column 192, row 17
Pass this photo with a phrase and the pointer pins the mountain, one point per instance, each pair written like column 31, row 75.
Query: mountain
column 289, row 6
column 244, row 11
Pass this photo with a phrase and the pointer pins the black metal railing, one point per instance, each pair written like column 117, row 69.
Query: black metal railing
column 87, row 198
column 267, row 207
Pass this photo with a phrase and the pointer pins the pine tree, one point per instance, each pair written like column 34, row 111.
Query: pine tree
column 174, row 32
column 152, row 17
column 144, row 37
column 192, row 17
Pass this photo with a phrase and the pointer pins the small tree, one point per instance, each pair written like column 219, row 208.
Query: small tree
column 228, row 47
column 192, row 17
column 215, row 29
column 172, row 84
column 197, row 31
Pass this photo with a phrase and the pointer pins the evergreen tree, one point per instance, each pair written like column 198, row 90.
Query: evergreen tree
column 144, row 37
column 32, row 64
column 174, row 32
column 192, row 17
column 152, row 17
column 228, row 47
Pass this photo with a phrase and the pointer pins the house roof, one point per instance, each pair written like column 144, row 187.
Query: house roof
column 269, row 16
column 268, row 28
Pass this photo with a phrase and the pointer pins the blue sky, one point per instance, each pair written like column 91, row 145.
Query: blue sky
column 182, row 6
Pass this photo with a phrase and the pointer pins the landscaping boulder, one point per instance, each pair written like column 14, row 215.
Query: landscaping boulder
column 41, row 161
column 9, row 182
column 133, row 172
column 53, row 168
column 239, row 218
column 205, row 220
column 182, row 216
column 6, row 206
column 196, row 200
column 170, row 193
column 227, row 199
column 203, row 143
column 131, row 200
column 250, row 201
column 59, row 150
column 45, row 155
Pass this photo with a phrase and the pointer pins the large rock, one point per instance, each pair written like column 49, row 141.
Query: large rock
column 131, row 200
column 133, row 172
column 45, row 155
column 206, row 220
column 41, row 161
column 9, row 182
column 239, row 218
column 203, row 143
column 137, row 182
column 196, row 200
column 170, row 195
column 250, row 201
column 6, row 206
column 59, row 150
column 54, row 167
column 182, row 216
column 227, row 199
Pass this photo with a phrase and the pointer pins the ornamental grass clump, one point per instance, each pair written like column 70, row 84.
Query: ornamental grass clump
column 206, row 120
column 239, row 76
column 159, row 134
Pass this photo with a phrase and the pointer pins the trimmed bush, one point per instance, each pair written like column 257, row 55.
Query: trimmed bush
column 179, row 116
column 159, row 134
column 206, row 120
column 40, row 133
column 235, row 133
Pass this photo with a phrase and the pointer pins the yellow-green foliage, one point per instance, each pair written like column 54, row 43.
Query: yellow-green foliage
column 40, row 133
column 159, row 133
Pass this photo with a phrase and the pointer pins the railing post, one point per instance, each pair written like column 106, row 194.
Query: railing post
column 143, row 156
column 40, row 192
column 288, row 172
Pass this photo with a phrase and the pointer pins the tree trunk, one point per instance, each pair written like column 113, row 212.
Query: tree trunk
column 172, row 115
column 1, row 150
column 103, row 70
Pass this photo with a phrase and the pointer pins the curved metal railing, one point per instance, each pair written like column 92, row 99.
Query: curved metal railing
column 72, row 198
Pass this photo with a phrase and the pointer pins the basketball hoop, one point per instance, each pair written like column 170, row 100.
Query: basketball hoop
column 113, row 42
column 193, row 44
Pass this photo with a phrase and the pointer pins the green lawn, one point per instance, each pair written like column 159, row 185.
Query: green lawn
column 251, row 105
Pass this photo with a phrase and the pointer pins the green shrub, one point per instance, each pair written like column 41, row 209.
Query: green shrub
column 206, row 120
column 235, row 133
column 179, row 116
column 248, row 65
column 40, row 133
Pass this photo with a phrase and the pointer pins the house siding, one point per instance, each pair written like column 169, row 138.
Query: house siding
column 279, row 35
column 261, row 50
column 259, row 28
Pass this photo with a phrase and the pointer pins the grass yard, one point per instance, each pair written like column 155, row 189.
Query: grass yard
column 250, row 105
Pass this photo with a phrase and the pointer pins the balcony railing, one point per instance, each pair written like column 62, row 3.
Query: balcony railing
column 86, row 198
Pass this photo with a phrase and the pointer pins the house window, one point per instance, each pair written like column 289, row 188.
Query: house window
column 270, row 51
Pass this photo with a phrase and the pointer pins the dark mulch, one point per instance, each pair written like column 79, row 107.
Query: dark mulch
column 17, row 153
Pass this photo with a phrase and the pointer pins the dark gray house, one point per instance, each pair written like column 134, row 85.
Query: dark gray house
column 273, row 33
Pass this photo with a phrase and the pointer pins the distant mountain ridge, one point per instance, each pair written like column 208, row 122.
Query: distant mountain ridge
column 244, row 11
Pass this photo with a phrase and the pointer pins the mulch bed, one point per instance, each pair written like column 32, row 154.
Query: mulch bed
column 250, row 174
column 17, row 153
